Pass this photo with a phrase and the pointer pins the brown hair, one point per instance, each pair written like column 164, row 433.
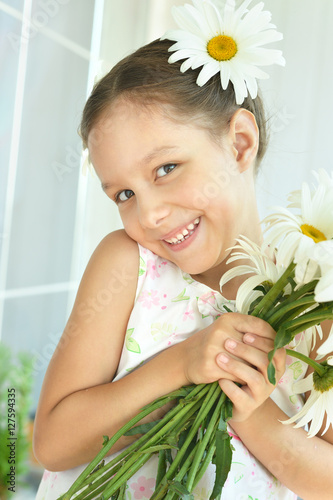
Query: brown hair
column 146, row 77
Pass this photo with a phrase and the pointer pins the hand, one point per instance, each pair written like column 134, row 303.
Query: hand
column 253, row 351
column 201, row 351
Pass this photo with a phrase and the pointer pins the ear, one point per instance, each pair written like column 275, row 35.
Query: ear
column 244, row 137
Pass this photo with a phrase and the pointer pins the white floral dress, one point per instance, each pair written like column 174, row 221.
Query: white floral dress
column 169, row 307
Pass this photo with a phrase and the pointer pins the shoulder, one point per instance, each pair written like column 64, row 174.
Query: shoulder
column 112, row 269
column 116, row 251
column 119, row 246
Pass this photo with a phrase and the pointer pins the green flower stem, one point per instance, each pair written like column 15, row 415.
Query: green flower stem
column 88, row 475
column 127, row 469
column 205, row 463
column 214, row 392
column 316, row 366
column 184, row 469
column 288, row 310
column 316, row 316
column 93, row 464
column 97, row 487
column 179, row 417
column 213, row 395
column 295, row 313
column 132, row 466
column 300, row 328
column 268, row 300
column 199, row 454
column 161, row 469
column 162, row 490
column 100, row 485
column 122, row 494
column 294, row 296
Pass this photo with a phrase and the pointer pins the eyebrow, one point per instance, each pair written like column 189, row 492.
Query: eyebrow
column 158, row 151
column 148, row 159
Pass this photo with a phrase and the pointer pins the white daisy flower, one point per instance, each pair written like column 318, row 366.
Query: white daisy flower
column 306, row 238
column 319, row 404
column 322, row 177
column 228, row 43
column 323, row 255
column 327, row 347
column 264, row 269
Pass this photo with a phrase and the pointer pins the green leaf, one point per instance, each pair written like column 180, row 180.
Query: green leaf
column 162, row 467
column 254, row 304
column 223, row 452
column 155, row 449
column 190, row 447
column 142, row 429
column 283, row 338
column 271, row 369
column 296, row 369
column 106, row 439
column 222, row 460
column 180, row 490
column 228, row 409
column 130, row 343
column 181, row 297
column 100, row 465
column 142, row 268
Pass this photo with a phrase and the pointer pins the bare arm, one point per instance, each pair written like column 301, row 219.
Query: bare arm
column 78, row 402
column 304, row 465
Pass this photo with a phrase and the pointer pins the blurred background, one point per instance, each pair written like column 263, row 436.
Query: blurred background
column 53, row 212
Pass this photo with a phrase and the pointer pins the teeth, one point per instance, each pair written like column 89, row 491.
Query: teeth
column 185, row 233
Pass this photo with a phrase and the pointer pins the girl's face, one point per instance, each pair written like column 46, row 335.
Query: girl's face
column 179, row 193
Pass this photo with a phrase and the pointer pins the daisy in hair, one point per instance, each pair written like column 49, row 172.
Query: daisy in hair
column 229, row 43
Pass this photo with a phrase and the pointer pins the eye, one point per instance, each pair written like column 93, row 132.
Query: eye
column 165, row 169
column 124, row 195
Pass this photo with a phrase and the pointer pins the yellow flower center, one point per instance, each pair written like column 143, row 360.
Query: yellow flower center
column 313, row 232
column 222, row 48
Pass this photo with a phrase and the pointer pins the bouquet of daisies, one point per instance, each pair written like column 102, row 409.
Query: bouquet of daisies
column 290, row 287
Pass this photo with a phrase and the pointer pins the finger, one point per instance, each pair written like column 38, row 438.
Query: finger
column 279, row 362
column 249, row 375
column 262, row 343
column 233, row 391
column 256, row 357
column 249, row 354
column 240, row 398
column 250, row 324
column 266, row 345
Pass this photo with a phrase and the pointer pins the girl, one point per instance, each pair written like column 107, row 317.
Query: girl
column 179, row 160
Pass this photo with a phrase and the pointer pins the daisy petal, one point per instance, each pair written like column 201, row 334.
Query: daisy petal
column 249, row 29
column 207, row 72
column 327, row 346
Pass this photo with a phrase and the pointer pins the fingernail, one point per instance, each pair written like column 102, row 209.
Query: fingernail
column 223, row 358
column 230, row 344
column 249, row 339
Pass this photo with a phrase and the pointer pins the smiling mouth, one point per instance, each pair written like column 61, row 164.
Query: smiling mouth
column 184, row 233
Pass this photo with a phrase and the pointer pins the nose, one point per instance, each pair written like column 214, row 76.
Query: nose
column 152, row 209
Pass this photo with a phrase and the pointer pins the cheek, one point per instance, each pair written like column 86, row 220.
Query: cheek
column 129, row 221
column 213, row 191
